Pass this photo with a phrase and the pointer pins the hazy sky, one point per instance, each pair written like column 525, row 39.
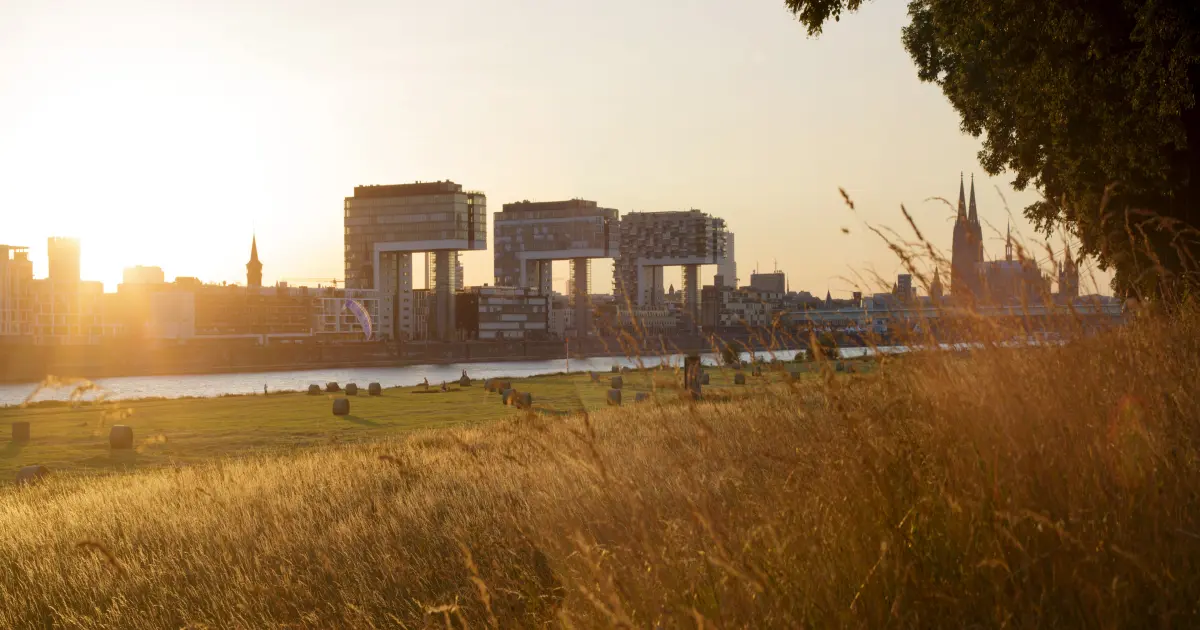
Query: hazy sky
column 164, row 133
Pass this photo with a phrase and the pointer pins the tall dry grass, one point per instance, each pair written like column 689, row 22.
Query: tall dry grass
column 1031, row 487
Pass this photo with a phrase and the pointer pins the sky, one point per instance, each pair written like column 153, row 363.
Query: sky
column 169, row 132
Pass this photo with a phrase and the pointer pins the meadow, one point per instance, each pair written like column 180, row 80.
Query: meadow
column 73, row 438
column 999, row 487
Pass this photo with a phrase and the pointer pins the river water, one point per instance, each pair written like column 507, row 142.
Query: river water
column 208, row 385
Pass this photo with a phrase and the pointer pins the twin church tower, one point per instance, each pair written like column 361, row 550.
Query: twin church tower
column 967, row 257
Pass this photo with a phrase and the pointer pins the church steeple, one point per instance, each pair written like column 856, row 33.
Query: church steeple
column 974, row 213
column 936, row 290
column 962, row 197
column 1008, row 244
column 254, row 267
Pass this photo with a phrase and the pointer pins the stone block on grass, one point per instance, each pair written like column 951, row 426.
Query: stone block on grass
column 341, row 406
column 120, row 437
column 374, row 389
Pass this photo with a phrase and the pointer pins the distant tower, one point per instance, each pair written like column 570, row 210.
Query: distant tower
column 1068, row 278
column 828, row 299
column 935, row 288
column 1008, row 244
column 254, row 267
column 967, row 254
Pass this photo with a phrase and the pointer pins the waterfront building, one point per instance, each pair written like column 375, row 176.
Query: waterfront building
column 530, row 236
column 385, row 225
column 727, row 267
column 16, row 300
column 63, row 255
column 650, row 241
column 502, row 313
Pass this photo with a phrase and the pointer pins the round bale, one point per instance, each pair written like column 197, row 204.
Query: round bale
column 524, row 400
column 351, row 389
column 614, row 398
column 618, row 382
column 641, row 397
column 29, row 475
column 120, row 437
column 375, row 389
column 332, row 386
column 314, row 390
column 739, row 378
column 20, row 432
column 464, row 381
column 505, row 394
column 341, row 406
column 615, row 369
column 704, row 378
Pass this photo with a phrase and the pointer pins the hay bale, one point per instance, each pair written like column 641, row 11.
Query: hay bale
column 120, row 437
column 594, row 376
column 489, row 384
column 757, row 369
column 374, row 389
column 505, row 394
column 341, row 406
column 29, row 475
column 739, row 378
column 351, row 389
column 314, row 390
column 641, row 397
column 704, row 378
column 626, row 370
column 332, row 387
column 20, row 432
column 465, row 381
column 616, row 370
column 840, row 367
column 523, row 400
column 618, row 382
column 614, row 398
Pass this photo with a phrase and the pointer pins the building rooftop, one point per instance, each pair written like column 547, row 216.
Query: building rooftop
column 407, row 190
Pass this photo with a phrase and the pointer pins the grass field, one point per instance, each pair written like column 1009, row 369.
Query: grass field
column 74, row 439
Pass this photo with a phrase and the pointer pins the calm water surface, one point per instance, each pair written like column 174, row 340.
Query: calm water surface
column 207, row 385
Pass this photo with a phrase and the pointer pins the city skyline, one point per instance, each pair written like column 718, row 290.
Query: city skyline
column 131, row 138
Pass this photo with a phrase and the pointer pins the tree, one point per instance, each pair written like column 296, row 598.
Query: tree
column 1092, row 103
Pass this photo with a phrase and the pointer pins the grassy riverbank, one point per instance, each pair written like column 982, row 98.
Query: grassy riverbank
column 74, row 439
column 1005, row 487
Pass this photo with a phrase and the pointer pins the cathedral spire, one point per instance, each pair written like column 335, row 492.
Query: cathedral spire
column 962, row 197
column 254, row 267
column 974, row 215
column 1007, row 242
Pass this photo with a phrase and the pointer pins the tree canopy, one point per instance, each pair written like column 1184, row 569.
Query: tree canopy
column 1092, row 102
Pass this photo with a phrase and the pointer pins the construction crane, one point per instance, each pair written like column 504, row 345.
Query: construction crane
column 321, row 282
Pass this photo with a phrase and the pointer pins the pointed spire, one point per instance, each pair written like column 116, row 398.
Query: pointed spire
column 974, row 214
column 828, row 299
column 1008, row 250
column 962, row 197
column 254, row 248
column 254, row 267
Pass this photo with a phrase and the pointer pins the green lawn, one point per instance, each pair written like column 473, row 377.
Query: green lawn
column 75, row 439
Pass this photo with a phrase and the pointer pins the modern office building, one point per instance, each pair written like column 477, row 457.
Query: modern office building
column 776, row 281
column 530, row 236
column 502, row 313
column 63, row 254
column 143, row 275
column 727, row 268
column 16, row 302
column 653, row 240
column 386, row 225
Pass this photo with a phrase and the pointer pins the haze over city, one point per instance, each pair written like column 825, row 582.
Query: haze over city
column 167, row 137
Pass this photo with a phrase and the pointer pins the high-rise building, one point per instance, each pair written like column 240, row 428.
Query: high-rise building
column 653, row 240
column 776, row 282
column 385, row 225
column 254, row 267
column 727, row 268
column 16, row 305
column 63, row 254
column 967, row 255
column 530, row 236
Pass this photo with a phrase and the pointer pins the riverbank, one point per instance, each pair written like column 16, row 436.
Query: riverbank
column 73, row 438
